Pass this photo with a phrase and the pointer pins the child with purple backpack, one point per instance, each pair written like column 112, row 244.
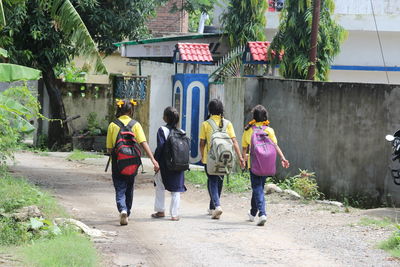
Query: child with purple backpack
column 259, row 139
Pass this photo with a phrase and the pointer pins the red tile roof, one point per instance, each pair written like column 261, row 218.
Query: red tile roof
column 258, row 50
column 194, row 52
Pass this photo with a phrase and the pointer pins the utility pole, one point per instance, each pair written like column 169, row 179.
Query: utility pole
column 314, row 39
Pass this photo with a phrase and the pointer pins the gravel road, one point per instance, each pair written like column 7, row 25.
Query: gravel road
column 296, row 233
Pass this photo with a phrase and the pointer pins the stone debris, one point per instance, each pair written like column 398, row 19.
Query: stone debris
column 94, row 233
column 272, row 188
column 25, row 213
column 328, row 202
column 292, row 194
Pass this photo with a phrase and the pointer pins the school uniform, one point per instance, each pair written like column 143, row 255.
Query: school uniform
column 257, row 182
column 123, row 184
column 214, row 182
column 173, row 181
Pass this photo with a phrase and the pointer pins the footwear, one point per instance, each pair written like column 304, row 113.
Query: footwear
column 216, row 213
column 262, row 220
column 251, row 217
column 210, row 211
column 159, row 214
column 123, row 217
column 175, row 218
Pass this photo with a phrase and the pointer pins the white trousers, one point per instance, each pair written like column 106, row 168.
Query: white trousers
column 159, row 204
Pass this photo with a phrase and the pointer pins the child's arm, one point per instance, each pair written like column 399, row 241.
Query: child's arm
column 237, row 150
column 244, row 153
column 202, row 146
column 148, row 152
column 285, row 162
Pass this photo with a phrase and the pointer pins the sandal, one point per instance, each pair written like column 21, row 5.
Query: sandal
column 158, row 215
column 175, row 219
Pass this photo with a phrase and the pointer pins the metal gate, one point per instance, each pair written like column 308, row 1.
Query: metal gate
column 131, row 87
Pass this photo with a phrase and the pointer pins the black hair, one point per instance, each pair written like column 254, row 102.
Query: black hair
column 127, row 108
column 260, row 114
column 215, row 107
column 171, row 116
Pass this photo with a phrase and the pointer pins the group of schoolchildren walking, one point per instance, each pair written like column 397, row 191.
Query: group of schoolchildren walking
column 125, row 135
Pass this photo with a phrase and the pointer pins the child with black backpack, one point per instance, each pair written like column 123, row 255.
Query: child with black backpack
column 172, row 153
column 124, row 136
column 259, row 139
column 217, row 147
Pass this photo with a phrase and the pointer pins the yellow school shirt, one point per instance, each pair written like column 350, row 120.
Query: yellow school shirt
column 246, row 138
column 206, row 132
column 113, row 130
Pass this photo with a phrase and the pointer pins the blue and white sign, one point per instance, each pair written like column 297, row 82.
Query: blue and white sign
column 191, row 96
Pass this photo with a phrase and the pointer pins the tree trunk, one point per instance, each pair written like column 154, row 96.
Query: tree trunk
column 314, row 39
column 57, row 131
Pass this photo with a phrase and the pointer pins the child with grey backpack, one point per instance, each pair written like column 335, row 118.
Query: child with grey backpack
column 217, row 143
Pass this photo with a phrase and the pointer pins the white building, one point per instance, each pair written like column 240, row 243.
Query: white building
column 361, row 58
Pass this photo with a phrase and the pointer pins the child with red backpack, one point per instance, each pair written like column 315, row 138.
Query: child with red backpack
column 259, row 139
column 124, row 136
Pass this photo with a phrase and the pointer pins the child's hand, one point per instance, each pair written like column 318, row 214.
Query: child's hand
column 285, row 163
column 156, row 166
column 242, row 163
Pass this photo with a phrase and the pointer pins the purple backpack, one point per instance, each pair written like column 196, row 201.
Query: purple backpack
column 262, row 153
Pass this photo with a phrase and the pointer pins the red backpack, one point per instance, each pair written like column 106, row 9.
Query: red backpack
column 126, row 151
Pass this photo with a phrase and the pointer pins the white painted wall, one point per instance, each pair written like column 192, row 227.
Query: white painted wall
column 160, row 95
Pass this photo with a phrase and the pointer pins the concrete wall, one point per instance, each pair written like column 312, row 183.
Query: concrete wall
column 334, row 129
column 82, row 99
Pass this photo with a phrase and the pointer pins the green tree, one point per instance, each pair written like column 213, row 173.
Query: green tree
column 244, row 20
column 294, row 34
column 43, row 34
column 113, row 21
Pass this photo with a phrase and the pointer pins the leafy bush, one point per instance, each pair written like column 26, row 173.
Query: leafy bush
column 71, row 73
column 303, row 183
column 17, row 107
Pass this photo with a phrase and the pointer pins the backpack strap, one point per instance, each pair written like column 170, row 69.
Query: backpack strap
column 121, row 125
column 215, row 127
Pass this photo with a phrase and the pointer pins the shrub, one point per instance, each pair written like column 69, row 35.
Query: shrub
column 303, row 183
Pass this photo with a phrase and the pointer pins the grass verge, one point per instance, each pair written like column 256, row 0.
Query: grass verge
column 38, row 241
column 392, row 245
column 238, row 182
column 69, row 249
column 81, row 155
column 383, row 223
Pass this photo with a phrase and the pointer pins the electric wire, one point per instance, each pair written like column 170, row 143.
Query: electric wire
column 380, row 42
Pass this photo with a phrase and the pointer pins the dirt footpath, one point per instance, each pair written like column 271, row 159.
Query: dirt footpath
column 296, row 234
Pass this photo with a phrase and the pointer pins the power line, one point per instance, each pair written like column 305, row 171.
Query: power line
column 380, row 42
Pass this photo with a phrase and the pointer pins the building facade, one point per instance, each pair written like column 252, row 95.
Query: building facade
column 361, row 58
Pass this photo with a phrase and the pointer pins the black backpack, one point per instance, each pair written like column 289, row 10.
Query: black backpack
column 126, row 151
column 176, row 150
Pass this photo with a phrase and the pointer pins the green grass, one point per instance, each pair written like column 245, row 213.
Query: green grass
column 80, row 155
column 237, row 182
column 67, row 250
column 17, row 193
column 382, row 223
column 47, row 247
column 392, row 245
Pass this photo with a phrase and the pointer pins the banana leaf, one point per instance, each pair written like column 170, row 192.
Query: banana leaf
column 12, row 72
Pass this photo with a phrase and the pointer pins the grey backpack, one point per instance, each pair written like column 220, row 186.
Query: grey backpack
column 220, row 158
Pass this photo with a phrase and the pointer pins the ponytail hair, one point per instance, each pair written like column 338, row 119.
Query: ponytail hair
column 125, row 107
column 215, row 107
column 171, row 116
column 260, row 114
